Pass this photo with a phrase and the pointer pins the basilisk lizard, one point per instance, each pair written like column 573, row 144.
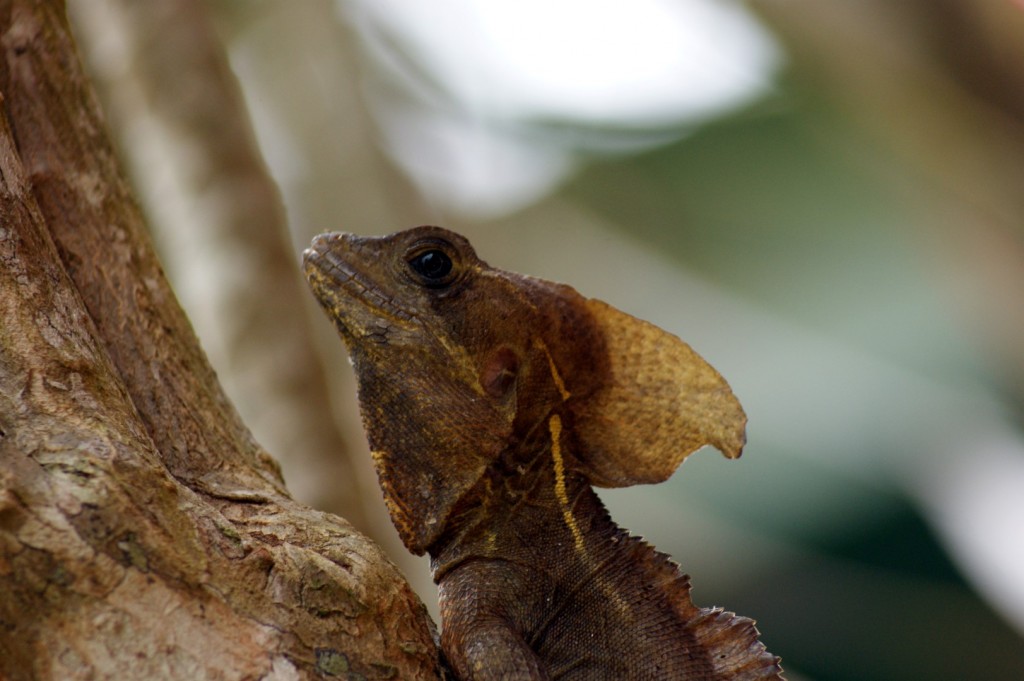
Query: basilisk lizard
column 493, row 402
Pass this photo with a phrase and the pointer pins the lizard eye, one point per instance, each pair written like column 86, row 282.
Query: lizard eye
column 433, row 266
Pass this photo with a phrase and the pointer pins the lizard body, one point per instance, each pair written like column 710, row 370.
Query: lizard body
column 493, row 402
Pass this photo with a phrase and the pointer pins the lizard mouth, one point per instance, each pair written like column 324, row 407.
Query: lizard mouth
column 358, row 303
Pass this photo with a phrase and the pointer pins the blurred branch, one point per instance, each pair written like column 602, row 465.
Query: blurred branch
column 219, row 219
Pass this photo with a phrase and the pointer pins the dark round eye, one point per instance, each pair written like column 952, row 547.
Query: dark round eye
column 433, row 265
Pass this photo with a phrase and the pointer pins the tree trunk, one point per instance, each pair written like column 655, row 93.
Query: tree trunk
column 143, row 532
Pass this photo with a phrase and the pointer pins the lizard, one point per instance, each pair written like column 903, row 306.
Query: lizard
column 493, row 402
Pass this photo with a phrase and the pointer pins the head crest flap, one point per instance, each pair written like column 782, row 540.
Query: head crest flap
column 659, row 403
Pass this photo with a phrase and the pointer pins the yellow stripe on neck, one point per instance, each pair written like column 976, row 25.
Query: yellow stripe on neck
column 555, row 425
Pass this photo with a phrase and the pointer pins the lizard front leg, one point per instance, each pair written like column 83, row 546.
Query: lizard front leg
column 491, row 652
column 480, row 637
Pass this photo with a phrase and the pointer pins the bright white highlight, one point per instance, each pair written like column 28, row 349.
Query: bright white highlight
column 475, row 72
column 977, row 503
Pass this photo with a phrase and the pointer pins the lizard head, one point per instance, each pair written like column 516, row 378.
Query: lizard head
column 438, row 343
column 458, row 362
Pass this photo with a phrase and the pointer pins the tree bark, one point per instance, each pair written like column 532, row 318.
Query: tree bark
column 143, row 532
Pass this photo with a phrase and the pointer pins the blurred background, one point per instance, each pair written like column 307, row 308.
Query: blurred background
column 824, row 198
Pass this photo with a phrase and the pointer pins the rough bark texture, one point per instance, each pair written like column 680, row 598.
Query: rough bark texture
column 143, row 532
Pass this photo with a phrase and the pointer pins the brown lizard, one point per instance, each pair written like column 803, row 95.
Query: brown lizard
column 492, row 402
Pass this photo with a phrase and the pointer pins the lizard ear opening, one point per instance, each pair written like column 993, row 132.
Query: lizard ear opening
column 659, row 403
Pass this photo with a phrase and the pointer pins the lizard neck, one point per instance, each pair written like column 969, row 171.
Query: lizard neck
column 531, row 508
